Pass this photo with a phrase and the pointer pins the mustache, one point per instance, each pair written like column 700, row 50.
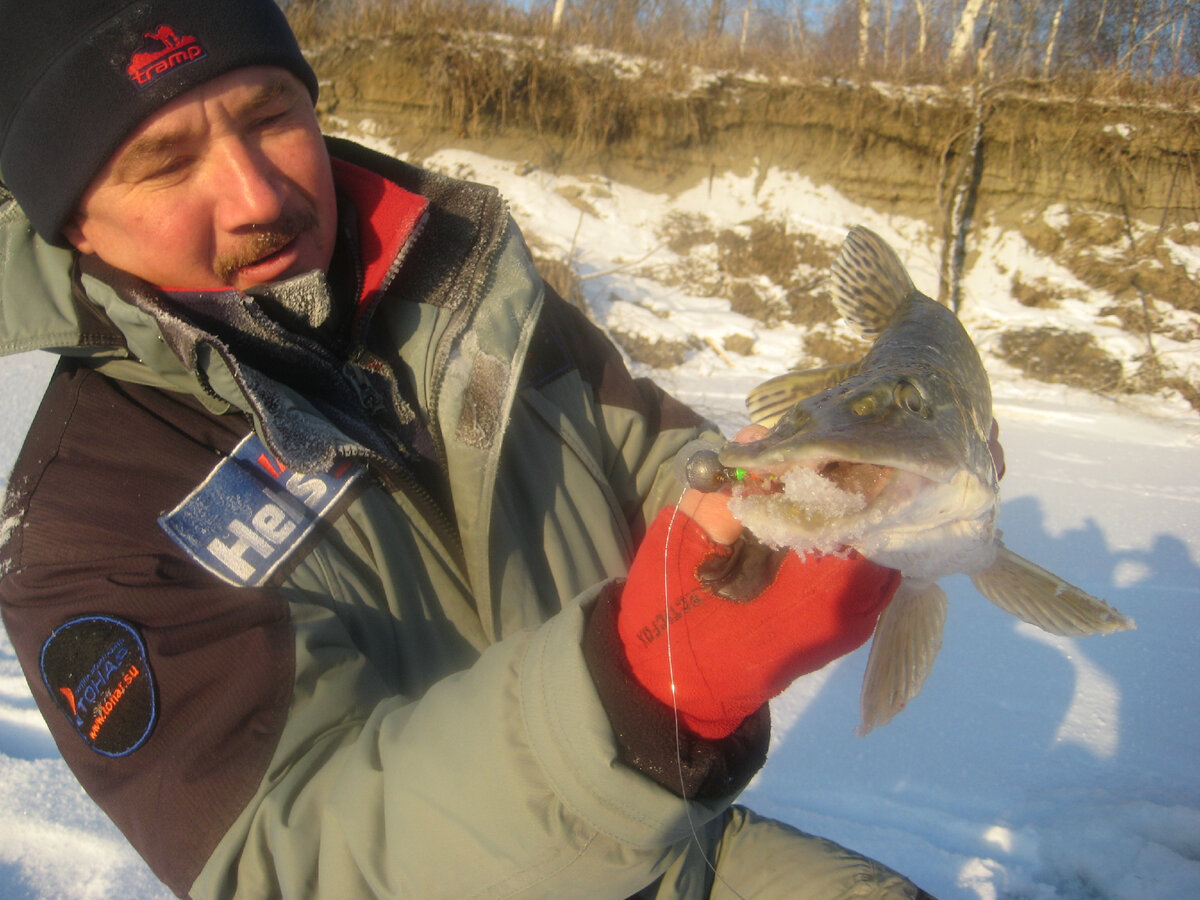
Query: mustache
column 265, row 240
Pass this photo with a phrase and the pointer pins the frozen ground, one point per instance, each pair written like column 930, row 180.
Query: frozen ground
column 1030, row 767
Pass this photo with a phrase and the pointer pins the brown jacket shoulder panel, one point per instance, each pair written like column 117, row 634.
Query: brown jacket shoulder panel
column 164, row 688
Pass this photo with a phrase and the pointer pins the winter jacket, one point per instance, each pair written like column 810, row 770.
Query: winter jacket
column 314, row 617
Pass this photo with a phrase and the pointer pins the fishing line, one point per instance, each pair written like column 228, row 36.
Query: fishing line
column 687, row 809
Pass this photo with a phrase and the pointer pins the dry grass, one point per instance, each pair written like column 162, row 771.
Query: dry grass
column 766, row 272
column 1062, row 357
column 777, row 44
column 658, row 353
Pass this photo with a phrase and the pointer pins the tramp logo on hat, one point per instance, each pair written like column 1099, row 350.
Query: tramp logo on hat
column 162, row 51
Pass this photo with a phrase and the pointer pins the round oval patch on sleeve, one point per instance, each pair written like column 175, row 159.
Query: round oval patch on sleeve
column 96, row 669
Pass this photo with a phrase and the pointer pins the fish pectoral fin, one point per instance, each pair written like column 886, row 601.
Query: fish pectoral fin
column 907, row 640
column 1041, row 598
column 767, row 402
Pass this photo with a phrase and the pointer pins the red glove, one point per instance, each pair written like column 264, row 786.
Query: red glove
column 730, row 657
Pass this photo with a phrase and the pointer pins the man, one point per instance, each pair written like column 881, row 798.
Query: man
column 328, row 556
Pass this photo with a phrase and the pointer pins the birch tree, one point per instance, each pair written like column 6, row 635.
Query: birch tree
column 964, row 34
column 1052, row 39
column 745, row 27
column 864, row 32
column 887, row 33
column 922, row 30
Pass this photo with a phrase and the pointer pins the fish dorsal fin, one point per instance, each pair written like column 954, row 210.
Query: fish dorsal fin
column 1041, row 598
column 907, row 640
column 771, row 399
column 869, row 281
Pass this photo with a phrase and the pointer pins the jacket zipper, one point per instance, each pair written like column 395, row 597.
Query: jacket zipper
column 405, row 481
column 398, row 476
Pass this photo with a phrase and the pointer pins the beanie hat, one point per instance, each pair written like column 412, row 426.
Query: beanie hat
column 81, row 75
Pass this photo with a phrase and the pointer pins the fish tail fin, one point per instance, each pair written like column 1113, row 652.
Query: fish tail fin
column 907, row 640
column 1041, row 598
column 869, row 280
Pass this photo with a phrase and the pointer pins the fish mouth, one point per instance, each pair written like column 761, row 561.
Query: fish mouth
column 822, row 504
column 865, row 480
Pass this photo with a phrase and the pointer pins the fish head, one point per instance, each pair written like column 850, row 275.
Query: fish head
column 891, row 420
column 891, row 464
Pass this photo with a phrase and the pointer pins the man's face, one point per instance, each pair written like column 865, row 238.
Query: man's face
column 228, row 185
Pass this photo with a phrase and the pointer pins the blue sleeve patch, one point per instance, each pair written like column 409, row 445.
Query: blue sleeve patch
column 251, row 513
column 98, row 673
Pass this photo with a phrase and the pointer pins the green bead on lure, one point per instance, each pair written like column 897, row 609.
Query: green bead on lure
column 702, row 469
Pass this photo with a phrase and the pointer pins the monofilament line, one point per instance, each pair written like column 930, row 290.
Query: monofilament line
column 687, row 808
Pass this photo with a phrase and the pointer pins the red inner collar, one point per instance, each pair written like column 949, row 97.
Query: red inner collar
column 387, row 219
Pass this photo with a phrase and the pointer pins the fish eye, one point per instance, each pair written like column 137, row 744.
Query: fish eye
column 909, row 398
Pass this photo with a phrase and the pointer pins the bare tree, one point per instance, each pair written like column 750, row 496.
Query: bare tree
column 1181, row 23
column 887, row 33
column 1048, row 58
column 717, row 11
column 1021, row 25
column 624, row 20
column 797, row 30
column 864, row 32
column 922, row 30
column 964, row 34
column 1100, row 19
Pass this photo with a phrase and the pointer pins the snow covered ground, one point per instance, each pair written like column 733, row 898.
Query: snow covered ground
column 1030, row 767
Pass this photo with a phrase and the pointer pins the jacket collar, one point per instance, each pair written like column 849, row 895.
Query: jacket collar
column 389, row 219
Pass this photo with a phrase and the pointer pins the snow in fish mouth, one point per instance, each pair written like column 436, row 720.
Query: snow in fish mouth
column 896, row 518
column 825, row 507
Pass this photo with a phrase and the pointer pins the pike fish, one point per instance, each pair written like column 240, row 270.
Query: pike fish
column 889, row 456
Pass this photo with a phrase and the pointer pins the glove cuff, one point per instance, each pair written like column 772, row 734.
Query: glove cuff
column 648, row 740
